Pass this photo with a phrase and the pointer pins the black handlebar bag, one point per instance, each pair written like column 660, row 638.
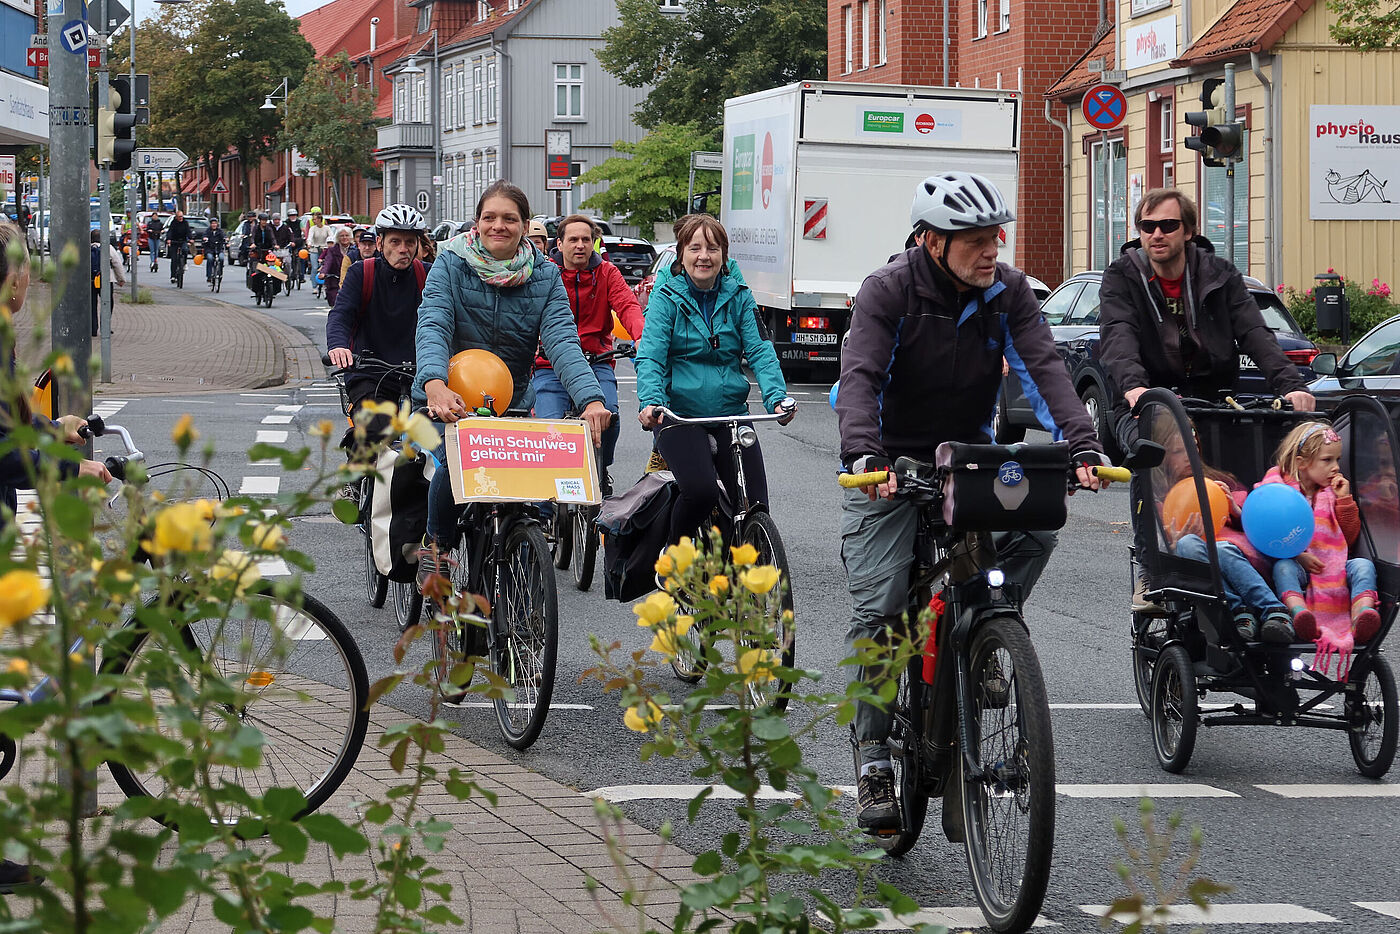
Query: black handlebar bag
column 1004, row 487
column 635, row 526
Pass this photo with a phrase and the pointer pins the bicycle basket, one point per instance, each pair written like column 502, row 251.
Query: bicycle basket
column 1004, row 488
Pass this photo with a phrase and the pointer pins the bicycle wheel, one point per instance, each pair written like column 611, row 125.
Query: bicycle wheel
column 298, row 678
column 408, row 603
column 376, row 584
column 906, row 756
column 1374, row 714
column 1149, row 635
column 585, row 545
column 527, row 634
column 1174, row 708
column 1009, row 813
column 761, row 532
column 179, row 274
column 453, row 643
column 561, row 535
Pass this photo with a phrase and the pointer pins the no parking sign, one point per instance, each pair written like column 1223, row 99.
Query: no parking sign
column 1104, row 107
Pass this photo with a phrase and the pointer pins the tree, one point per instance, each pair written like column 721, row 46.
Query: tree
column 330, row 118
column 714, row 50
column 1369, row 25
column 649, row 180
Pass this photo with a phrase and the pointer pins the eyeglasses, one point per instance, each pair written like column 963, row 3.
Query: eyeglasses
column 1167, row 225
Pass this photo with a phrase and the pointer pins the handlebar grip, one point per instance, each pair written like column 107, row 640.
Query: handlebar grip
column 1114, row 474
column 326, row 359
column 116, row 466
column 95, row 427
column 852, row 481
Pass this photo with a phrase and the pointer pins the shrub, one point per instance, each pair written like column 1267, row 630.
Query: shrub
column 1370, row 305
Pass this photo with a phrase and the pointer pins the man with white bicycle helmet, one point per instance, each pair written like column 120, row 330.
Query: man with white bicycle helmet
column 376, row 310
column 923, row 365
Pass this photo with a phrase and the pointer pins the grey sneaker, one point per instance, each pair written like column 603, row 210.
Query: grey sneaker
column 1141, row 602
column 1277, row 627
column 876, row 807
column 1246, row 625
column 431, row 560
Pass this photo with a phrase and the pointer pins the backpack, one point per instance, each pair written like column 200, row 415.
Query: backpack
column 398, row 517
column 635, row 527
column 96, row 265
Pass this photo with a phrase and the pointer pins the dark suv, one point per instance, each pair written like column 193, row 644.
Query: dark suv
column 1072, row 311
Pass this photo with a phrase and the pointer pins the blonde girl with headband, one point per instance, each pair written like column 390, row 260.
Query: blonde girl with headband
column 1332, row 597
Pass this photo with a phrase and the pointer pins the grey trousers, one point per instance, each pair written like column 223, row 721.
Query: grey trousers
column 877, row 548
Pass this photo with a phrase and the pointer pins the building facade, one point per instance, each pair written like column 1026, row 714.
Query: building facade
column 1321, row 138
column 24, row 102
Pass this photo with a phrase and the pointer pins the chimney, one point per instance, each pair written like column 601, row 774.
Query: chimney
column 373, row 33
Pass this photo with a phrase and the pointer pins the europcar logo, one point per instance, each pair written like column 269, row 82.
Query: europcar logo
column 883, row 121
column 741, row 198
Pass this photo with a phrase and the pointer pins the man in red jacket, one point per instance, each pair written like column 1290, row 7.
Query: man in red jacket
column 596, row 290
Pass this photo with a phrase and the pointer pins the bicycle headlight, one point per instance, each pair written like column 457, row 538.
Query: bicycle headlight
column 996, row 577
column 747, row 436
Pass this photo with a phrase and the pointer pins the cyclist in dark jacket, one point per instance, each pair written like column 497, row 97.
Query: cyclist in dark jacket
column 215, row 242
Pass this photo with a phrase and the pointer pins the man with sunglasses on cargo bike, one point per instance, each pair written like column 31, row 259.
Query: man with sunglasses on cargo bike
column 923, row 365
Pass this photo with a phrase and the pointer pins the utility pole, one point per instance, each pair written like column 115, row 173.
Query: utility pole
column 70, row 134
column 135, row 247
column 104, row 205
column 1229, row 103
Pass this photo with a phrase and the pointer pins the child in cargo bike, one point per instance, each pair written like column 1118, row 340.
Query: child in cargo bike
column 1331, row 597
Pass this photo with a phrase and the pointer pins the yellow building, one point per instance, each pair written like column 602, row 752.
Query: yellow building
column 1319, row 186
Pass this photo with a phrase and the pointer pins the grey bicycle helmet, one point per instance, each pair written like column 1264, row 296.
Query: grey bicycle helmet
column 954, row 201
column 399, row 217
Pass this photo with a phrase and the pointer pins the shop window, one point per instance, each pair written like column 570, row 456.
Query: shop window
column 1213, row 208
column 1108, row 194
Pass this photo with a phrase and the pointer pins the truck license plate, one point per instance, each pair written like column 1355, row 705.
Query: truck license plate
column 809, row 337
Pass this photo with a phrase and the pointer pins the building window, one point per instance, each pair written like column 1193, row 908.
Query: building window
column 1213, row 208
column 478, row 98
column 1168, row 175
column 568, row 90
column 1168, row 131
column 848, row 29
column 449, row 100
column 982, row 19
column 864, row 34
column 425, row 17
column 483, row 10
column 1004, row 21
column 463, row 102
column 1161, row 150
column 401, row 100
column 880, row 15
column 512, row 6
column 477, row 186
column 491, row 90
column 1108, row 193
column 670, row 6
column 420, row 99
column 490, row 166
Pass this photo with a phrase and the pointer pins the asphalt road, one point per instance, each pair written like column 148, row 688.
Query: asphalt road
column 1288, row 822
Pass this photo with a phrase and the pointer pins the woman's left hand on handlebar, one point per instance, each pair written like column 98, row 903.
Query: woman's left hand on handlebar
column 649, row 417
column 95, row 469
column 443, row 404
column 787, row 409
column 598, row 418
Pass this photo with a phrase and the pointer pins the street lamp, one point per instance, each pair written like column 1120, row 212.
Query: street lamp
column 281, row 94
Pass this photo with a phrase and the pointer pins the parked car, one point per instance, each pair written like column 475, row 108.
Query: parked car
column 199, row 229
column 551, row 224
column 665, row 256
column 632, row 256
column 1371, row 367
column 447, row 229
column 1072, row 311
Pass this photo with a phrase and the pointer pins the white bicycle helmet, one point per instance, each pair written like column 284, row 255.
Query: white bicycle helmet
column 399, row 217
column 954, row 201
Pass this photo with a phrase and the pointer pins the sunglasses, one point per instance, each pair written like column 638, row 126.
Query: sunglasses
column 1169, row 225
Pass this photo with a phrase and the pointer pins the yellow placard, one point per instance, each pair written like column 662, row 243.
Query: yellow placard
column 272, row 271
column 521, row 460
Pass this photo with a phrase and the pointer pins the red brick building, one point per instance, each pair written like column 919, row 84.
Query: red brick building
column 987, row 43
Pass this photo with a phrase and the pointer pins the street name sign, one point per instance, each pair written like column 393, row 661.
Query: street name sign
column 157, row 160
column 713, row 161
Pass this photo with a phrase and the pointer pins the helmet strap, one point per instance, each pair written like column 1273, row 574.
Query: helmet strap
column 943, row 259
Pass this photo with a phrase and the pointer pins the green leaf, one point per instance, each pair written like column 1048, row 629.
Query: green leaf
column 770, row 727
column 292, row 841
column 73, row 515
column 408, row 892
column 283, row 803
column 708, row 863
column 693, row 809
column 331, row 830
column 345, row 511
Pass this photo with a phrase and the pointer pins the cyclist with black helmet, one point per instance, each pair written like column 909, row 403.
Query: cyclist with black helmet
column 923, row 365
column 259, row 242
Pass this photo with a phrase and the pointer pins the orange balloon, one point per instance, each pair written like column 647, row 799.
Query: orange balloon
column 482, row 379
column 198, row 258
column 1181, row 507
column 304, row 254
column 126, row 250
column 619, row 331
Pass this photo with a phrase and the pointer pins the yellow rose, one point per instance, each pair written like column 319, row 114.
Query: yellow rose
column 238, row 567
column 683, row 554
column 323, row 428
column 642, row 717
column 268, row 537
column 420, row 431
column 667, row 639
column 756, row 665
column 719, row 584
column 184, row 432
column 664, row 565
column 22, row 594
column 655, row 609
column 18, row 666
column 744, row 555
column 63, row 365
column 760, row 580
column 181, row 527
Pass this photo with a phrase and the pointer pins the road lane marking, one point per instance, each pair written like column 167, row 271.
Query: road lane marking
column 260, row 486
column 316, row 314
column 491, row 705
column 1389, row 909
column 618, row 793
column 955, row 919
column 273, row 567
column 270, row 437
column 1332, row 791
column 1160, row 790
column 1276, row 913
column 288, row 408
column 265, row 395
column 277, row 419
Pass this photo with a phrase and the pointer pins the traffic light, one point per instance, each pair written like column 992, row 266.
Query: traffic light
column 1225, row 140
column 113, row 125
column 1213, row 99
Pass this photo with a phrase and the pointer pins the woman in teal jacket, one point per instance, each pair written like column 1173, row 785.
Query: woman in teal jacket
column 701, row 325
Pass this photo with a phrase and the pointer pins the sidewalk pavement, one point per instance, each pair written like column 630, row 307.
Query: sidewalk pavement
column 186, row 342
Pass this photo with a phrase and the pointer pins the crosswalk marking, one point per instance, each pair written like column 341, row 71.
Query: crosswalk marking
column 289, row 408
column 271, row 437
column 277, row 419
column 1160, row 790
column 1264, row 913
column 1333, row 791
column 490, row 705
column 273, row 567
column 955, row 919
column 1389, row 909
column 109, row 407
column 260, row 486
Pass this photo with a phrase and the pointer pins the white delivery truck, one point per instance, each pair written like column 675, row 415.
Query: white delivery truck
column 818, row 177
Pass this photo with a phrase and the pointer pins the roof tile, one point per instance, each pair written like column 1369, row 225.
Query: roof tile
column 1079, row 77
column 1247, row 26
column 326, row 26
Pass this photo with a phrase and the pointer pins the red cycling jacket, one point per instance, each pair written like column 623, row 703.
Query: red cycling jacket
column 594, row 294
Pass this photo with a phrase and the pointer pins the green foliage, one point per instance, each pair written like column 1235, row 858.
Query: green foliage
column 1369, row 25
column 714, row 50
column 726, row 612
column 330, row 118
column 1370, row 305
column 1155, row 877
column 648, row 182
column 143, row 296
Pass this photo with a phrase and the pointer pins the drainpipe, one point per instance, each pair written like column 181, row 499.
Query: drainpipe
column 1069, row 192
column 373, row 33
column 1270, row 265
column 947, row 42
column 503, row 115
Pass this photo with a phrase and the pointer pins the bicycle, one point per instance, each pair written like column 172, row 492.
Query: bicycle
column 295, row 669
column 216, row 270
column 317, row 279
column 265, row 285
column 407, row 601
column 978, row 732
column 573, row 534
column 502, row 553
column 178, row 254
column 745, row 522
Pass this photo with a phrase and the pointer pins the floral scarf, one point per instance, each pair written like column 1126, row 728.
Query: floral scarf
column 500, row 273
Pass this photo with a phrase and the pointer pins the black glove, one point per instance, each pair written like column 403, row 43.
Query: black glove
column 869, row 463
column 1091, row 459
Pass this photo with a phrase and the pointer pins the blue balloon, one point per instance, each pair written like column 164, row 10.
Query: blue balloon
column 1278, row 520
column 831, row 396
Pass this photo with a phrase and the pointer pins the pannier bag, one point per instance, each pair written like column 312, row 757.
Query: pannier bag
column 1005, row 488
column 399, row 513
column 635, row 525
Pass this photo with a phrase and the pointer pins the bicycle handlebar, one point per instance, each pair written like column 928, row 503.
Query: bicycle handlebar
column 116, row 464
column 783, row 412
column 364, row 360
column 851, row 481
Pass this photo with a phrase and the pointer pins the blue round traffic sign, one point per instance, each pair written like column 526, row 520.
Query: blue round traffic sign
column 1104, row 107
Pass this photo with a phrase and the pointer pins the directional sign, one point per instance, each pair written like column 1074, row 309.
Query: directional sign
column 39, row 40
column 1104, row 107
column 157, row 160
column 707, row 160
column 38, row 57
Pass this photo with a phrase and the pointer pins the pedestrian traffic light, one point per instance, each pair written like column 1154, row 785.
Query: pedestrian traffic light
column 1213, row 99
column 113, row 125
column 1225, row 141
